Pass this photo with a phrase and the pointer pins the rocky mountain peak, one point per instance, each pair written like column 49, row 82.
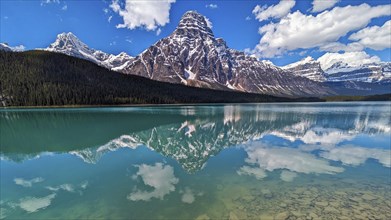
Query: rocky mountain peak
column 5, row 47
column 194, row 24
column 308, row 68
column 69, row 44
column 67, row 40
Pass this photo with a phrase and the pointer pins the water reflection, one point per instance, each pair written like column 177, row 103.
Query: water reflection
column 192, row 134
column 223, row 161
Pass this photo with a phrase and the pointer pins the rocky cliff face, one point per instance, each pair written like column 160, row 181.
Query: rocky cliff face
column 374, row 72
column 193, row 56
column 308, row 68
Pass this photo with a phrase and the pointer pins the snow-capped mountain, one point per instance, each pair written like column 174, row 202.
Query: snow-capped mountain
column 69, row 44
column 5, row 47
column 308, row 67
column 341, row 71
column 192, row 55
column 373, row 72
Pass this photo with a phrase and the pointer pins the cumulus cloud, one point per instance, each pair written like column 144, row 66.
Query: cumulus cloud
column 354, row 155
column 64, row 7
column 275, row 11
column 288, row 176
column 257, row 172
column 159, row 176
column 33, row 204
column 211, row 6
column 340, row 47
column 297, row 30
column 273, row 158
column 321, row 5
column 148, row 14
column 374, row 37
column 353, row 59
column 27, row 183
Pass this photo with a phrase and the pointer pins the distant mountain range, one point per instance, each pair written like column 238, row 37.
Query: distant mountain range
column 193, row 56
column 341, row 71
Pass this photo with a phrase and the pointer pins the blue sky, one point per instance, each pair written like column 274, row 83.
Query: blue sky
column 35, row 24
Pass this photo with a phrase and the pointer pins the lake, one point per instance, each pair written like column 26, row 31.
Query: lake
column 253, row 161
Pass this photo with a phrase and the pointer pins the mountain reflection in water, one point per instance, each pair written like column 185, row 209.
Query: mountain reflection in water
column 192, row 134
column 245, row 161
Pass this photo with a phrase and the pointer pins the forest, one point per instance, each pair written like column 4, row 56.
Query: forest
column 41, row 78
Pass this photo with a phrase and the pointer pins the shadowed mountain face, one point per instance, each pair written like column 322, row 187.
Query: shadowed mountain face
column 192, row 55
column 189, row 134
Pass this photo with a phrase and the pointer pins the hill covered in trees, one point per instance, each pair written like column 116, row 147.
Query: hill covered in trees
column 40, row 78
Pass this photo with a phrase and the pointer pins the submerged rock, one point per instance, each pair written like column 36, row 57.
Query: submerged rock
column 282, row 216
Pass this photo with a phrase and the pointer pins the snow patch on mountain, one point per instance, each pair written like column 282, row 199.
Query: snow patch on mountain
column 69, row 44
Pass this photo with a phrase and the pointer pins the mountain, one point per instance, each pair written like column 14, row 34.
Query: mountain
column 69, row 44
column 5, row 47
column 42, row 78
column 192, row 55
column 308, row 67
column 373, row 72
column 341, row 71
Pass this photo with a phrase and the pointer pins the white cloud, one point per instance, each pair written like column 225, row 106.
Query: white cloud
column 148, row 14
column 320, row 5
column 45, row 2
column 64, row 8
column 158, row 31
column 340, row 47
column 129, row 41
column 353, row 59
column 109, row 19
column 297, row 30
column 288, row 176
column 257, row 172
column 375, row 37
column 354, row 155
column 273, row 158
column 248, row 18
column 27, row 183
column 211, row 6
column 160, row 177
column 275, row 11
column 33, row 204
column 106, row 10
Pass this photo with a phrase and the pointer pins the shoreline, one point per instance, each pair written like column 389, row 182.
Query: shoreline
column 180, row 104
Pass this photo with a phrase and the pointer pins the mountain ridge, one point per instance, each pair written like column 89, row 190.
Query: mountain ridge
column 193, row 56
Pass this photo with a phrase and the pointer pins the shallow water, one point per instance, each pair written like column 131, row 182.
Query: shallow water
column 254, row 161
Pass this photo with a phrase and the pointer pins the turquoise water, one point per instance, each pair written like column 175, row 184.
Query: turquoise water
column 253, row 161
